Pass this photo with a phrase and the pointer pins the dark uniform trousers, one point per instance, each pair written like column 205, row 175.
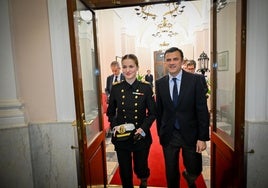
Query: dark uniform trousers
column 191, row 159
column 125, row 165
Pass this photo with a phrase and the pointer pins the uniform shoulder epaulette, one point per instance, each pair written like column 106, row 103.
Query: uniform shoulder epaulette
column 145, row 82
column 115, row 83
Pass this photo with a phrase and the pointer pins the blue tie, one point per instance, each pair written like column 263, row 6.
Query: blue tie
column 175, row 100
column 175, row 92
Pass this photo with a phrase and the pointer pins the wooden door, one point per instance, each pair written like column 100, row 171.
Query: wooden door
column 86, row 80
column 228, row 75
column 159, row 65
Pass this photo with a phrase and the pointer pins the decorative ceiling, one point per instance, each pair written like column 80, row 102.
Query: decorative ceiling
column 150, row 33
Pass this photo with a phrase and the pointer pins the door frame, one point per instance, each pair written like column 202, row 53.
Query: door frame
column 96, row 148
column 235, row 154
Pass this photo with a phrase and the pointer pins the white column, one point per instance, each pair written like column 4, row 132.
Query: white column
column 11, row 109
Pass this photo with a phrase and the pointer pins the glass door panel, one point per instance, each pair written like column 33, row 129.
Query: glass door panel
column 88, row 68
column 226, row 61
column 229, row 52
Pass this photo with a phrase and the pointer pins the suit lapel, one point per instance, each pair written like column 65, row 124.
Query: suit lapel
column 184, row 86
column 121, row 77
column 111, row 81
column 166, row 88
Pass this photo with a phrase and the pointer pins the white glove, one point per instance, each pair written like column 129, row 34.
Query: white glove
column 141, row 132
column 116, row 128
column 123, row 128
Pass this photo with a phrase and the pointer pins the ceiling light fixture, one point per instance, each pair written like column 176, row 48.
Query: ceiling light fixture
column 164, row 44
column 221, row 4
column 146, row 11
column 164, row 28
column 175, row 10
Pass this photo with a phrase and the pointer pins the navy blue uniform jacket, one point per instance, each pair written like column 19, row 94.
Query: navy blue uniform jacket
column 132, row 104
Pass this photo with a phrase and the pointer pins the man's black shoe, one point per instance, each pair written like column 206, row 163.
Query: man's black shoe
column 143, row 183
column 190, row 180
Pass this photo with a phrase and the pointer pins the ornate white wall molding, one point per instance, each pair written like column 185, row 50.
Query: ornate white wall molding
column 11, row 109
column 12, row 114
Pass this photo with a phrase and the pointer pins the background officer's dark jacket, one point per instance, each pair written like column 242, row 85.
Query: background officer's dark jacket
column 132, row 104
column 109, row 83
column 149, row 78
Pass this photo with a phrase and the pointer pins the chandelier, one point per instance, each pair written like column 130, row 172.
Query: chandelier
column 164, row 28
column 144, row 12
column 164, row 44
column 221, row 4
column 173, row 9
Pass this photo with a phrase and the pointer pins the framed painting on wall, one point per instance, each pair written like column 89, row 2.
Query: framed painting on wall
column 223, row 61
column 118, row 58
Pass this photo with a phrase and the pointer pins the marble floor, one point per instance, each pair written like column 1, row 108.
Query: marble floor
column 111, row 159
column 112, row 163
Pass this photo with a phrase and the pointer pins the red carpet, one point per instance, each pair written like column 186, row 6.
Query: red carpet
column 157, row 168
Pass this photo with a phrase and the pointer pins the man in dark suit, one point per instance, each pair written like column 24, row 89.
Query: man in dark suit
column 117, row 76
column 190, row 67
column 182, row 119
column 149, row 77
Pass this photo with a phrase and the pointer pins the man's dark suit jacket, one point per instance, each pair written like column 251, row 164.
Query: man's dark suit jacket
column 109, row 83
column 191, row 111
column 149, row 78
column 204, row 82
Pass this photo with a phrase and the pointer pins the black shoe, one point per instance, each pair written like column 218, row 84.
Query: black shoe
column 190, row 180
column 143, row 183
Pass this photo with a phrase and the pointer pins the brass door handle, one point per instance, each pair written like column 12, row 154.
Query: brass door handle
column 74, row 123
column 87, row 122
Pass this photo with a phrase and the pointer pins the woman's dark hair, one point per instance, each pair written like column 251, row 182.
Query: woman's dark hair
column 173, row 49
column 131, row 56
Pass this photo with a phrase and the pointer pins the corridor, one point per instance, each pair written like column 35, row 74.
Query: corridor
column 112, row 163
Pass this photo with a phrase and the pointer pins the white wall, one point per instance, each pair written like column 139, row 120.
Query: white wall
column 7, row 80
column 109, row 41
column 256, row 112
column 61, row 60
column 35, row 68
